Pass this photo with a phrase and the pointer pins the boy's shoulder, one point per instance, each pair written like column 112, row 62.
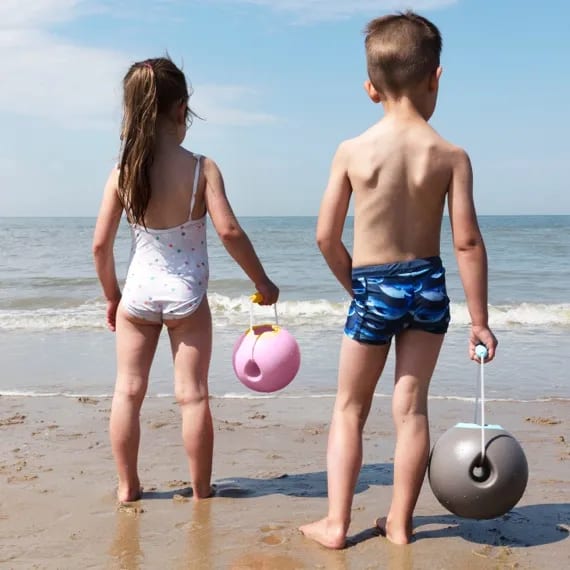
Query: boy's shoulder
column 383, row 147
column 353, row 146
column 377, row 135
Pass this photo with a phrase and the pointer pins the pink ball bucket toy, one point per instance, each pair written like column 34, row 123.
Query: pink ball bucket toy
column 266, row 357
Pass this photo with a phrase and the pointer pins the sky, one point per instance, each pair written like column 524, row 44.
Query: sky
column 278, row 84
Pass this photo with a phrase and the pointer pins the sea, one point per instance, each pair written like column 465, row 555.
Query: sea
column 53, row 339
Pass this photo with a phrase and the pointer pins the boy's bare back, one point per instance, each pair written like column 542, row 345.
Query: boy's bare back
column 399, row 172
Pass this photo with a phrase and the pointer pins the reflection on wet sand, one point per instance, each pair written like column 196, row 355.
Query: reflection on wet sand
column 198, row 551
column 126, row 551
column 400, row 557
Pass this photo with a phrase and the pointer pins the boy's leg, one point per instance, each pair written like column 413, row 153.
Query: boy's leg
column 359, row 369
column 416, row 357
column 136, row 344
column 191, row 342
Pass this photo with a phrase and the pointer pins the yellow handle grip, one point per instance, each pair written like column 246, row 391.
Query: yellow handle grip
column 257, row 298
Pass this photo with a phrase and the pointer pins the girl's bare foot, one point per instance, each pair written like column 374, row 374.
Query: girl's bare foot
column 331, row 535
column 199, row 496
column 395, row 536
column 128, row 494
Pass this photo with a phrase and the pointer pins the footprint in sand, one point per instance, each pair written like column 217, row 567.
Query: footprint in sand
column 87, row 400
column 272, row 540
column 13, row 420
column 258, row 416
column 270, row 537
column 22, row 478
column 543, row 421
column 178, row 483
column 130, row 508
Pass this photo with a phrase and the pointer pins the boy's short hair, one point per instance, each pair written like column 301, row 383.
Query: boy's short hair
column 401, row 50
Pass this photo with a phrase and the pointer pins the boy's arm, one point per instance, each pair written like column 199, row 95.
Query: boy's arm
column 470, row 252
column 332, row 216
column 103, row 240
column 231, row 234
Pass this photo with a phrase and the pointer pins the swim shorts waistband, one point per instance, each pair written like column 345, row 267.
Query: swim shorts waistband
column 399, row 268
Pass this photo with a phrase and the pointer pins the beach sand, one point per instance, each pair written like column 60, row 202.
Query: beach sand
column 57, row 505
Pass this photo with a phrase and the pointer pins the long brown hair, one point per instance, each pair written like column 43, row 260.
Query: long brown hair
column 150, row 88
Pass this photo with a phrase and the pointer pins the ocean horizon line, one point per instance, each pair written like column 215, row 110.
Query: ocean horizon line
column 275, row 216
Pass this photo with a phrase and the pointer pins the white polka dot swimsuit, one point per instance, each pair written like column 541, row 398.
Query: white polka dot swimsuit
column 168, row 271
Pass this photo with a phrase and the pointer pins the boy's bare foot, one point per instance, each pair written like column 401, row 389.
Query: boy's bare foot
column 326, row 533
column 394, row 536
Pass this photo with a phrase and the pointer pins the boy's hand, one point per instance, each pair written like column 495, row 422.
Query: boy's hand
column 483, row 335
column 269, row 292
column 112, row 307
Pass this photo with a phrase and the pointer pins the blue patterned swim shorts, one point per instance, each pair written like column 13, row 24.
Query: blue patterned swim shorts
column 391, row 298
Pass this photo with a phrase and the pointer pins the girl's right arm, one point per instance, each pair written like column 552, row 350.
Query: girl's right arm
column 103, row 241
column 231, row 234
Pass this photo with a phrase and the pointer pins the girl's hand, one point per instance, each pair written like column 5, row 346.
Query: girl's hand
column 269, row 292
column 112, row 307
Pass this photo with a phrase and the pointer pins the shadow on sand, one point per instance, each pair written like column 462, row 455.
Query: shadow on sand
column 311, row 485
column 523, row 527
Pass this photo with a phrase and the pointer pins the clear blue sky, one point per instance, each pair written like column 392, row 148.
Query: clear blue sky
column 279, row 83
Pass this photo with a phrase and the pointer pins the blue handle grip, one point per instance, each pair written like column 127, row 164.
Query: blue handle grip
column 481, row 351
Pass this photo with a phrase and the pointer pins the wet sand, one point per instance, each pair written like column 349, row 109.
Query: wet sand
column 57, row 505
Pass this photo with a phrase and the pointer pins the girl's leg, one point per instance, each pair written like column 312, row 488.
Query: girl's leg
column 191, row 342
column 136, row 344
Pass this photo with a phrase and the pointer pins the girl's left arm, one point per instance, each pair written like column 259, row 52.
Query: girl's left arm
column 103, row 241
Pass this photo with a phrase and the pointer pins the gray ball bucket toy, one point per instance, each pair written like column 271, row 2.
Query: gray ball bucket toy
column 469, row 487
column 478, row 471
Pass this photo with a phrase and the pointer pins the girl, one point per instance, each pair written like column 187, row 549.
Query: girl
column 165, row 191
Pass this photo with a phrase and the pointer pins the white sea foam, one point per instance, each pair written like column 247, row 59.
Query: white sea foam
column 36, row 394
column 319, row 313
column 275, row 396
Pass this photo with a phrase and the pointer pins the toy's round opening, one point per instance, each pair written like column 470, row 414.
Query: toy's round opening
column 480, row 469
column 252, row 370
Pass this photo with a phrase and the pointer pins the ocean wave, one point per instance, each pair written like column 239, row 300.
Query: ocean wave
column 234, row 311
column 43, row 283
column 274, row 396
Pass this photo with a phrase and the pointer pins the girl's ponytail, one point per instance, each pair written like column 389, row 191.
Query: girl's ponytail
column 152, row 89
column 138, row 137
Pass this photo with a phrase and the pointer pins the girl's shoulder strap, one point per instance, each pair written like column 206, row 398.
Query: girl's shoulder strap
column 197, row 169
column 198, row 158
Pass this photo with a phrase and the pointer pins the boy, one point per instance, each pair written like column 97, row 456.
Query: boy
column 400, row 172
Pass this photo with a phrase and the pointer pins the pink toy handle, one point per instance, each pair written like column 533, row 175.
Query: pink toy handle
column 255, row 298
